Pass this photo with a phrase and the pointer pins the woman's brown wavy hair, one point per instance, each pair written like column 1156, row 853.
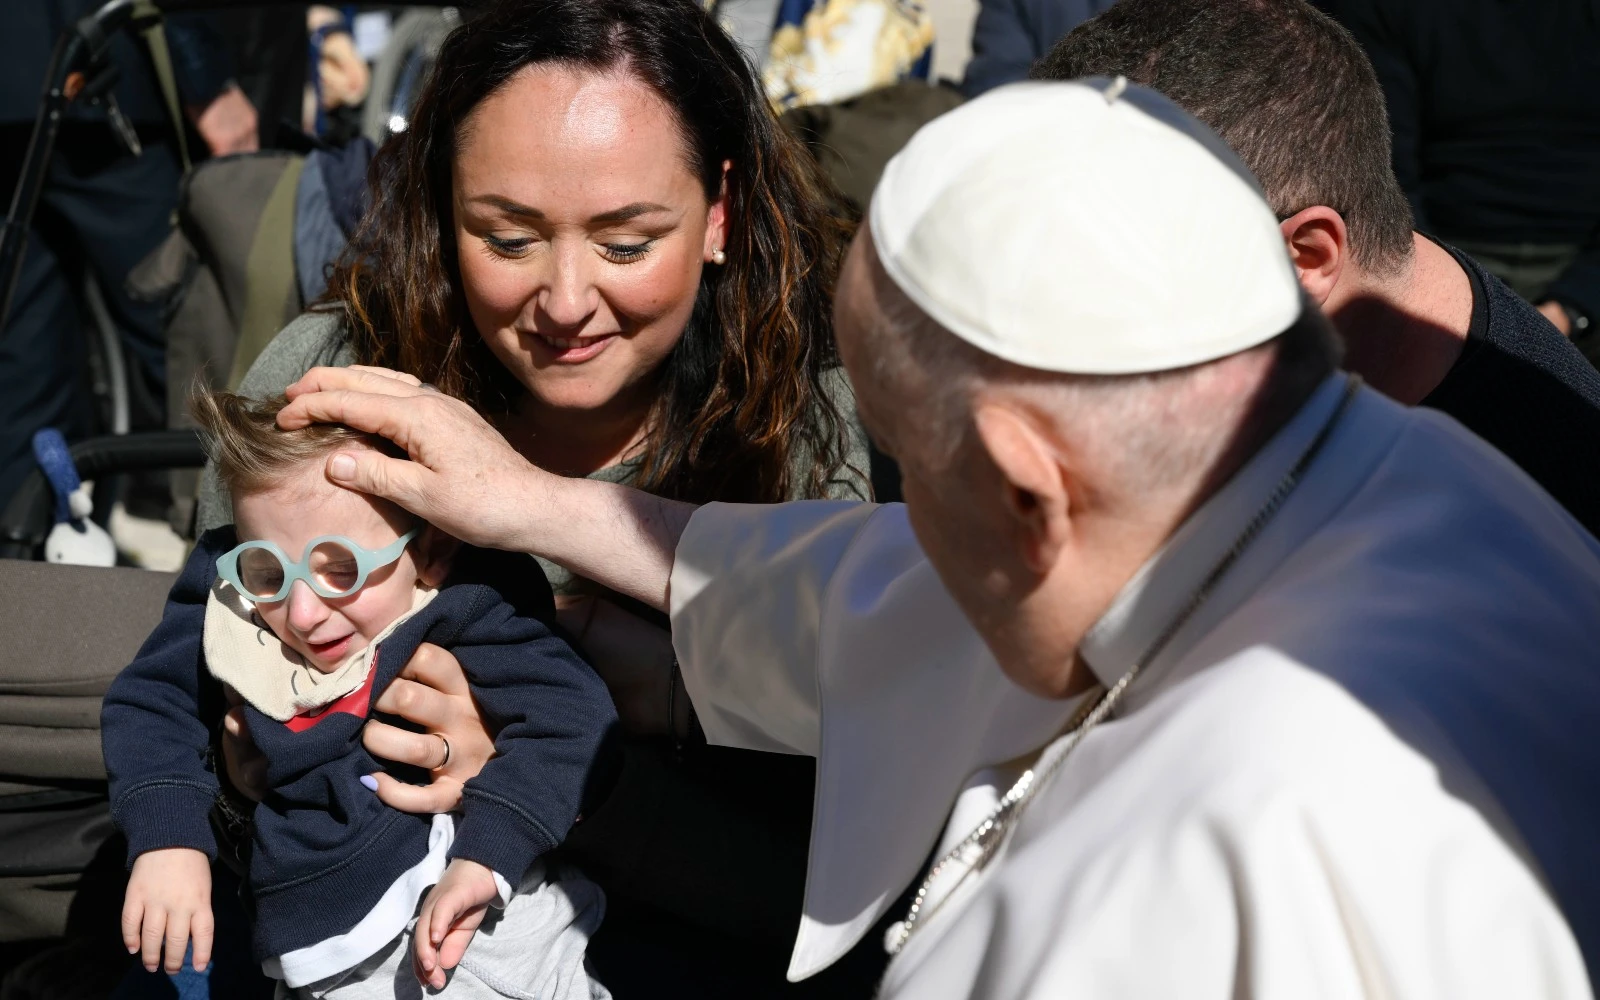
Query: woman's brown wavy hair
column 741, row 413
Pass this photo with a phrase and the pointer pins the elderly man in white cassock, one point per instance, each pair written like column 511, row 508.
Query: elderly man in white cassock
column 1190, row 667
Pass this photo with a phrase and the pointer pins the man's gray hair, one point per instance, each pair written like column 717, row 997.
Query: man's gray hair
column 1147, row 432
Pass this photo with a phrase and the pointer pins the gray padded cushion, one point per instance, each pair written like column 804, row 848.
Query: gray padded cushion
column 65, row 632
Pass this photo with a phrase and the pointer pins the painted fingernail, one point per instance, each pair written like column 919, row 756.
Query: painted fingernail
column 342, row 467
column 370, row 782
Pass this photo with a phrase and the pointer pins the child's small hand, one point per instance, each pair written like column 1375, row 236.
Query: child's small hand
column 169, row 899
column 450, row 916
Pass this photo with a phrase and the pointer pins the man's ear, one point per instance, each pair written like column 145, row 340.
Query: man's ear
column 1318, row 246
column 435, row 551
column 1036, row 499
column 717, row 217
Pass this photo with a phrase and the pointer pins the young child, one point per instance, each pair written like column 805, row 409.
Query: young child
column 308, row 606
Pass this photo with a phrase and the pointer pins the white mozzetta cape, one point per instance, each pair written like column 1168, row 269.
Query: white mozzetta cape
column 1346, row 777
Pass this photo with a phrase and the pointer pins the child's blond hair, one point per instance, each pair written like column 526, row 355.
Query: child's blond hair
column 251, row 452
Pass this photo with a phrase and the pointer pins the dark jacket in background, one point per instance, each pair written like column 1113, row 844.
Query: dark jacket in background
column 1495, row 107
column 1528, row 391
column 200, row 62
column 326, row 849
column 1010, row 35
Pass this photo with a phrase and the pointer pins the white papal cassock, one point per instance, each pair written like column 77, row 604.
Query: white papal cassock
column 1364, row 768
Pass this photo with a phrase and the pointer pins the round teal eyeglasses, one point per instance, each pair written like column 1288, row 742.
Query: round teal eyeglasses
column 332, row 566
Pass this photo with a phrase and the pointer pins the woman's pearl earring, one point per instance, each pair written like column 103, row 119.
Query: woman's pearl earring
column 718, row 256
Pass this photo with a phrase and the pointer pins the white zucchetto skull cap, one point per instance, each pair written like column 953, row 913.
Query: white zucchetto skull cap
column 1090, row 227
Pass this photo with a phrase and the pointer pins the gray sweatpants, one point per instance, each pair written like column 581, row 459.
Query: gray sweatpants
column 531, row 950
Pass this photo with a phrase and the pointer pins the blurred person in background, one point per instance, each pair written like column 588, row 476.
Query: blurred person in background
column 1422, row 322
column 107, row 202
column 339, row 78
column 1010, row 35
column 269, row 53
column 1495, row 108
column 829, row 51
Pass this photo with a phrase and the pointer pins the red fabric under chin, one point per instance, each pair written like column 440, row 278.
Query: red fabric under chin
column 355, row 703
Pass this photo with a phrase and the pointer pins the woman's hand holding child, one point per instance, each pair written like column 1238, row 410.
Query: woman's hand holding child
column 450, row 916
column 432, row 691
column 169, row 900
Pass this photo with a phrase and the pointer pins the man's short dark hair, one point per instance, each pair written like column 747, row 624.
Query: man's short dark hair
column 1290, row 90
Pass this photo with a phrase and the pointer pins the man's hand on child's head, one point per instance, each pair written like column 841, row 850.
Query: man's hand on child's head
column 169, row 902
column 450, row 916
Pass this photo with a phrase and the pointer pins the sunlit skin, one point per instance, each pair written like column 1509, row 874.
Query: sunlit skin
column 581, row 234
column 327, row 631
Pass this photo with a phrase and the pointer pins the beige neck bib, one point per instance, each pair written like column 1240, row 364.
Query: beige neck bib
column 243, row 653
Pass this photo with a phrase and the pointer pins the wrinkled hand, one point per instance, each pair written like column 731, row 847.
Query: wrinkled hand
column 463, row 477
column 450, row 916
column 245, row 763
column 169, row 901
column 432, row 692
column 228, row 124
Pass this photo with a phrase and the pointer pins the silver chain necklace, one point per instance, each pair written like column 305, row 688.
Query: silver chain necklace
column 977, row 848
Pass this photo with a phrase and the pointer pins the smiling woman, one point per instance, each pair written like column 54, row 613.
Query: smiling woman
column 597, row 244
column 580, row 293
column 595, row 232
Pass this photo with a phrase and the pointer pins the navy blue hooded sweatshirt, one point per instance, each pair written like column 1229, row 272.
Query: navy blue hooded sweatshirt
column 325, row 848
